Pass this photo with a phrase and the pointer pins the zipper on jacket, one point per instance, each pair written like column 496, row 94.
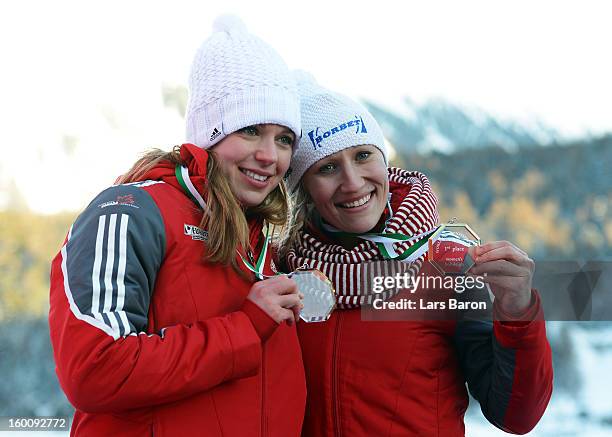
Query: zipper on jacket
column 335, row 377
column 263, row 391
column 264, row 427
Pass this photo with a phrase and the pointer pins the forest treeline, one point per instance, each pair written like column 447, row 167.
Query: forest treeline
column 555, row 202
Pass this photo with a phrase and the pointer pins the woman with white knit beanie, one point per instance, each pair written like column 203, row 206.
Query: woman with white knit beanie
column 399, row 378
column 166, row 316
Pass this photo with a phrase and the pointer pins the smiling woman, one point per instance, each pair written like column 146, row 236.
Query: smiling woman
column 405, row 376
column 254, row 159
column 349, row 188
column 160, row 317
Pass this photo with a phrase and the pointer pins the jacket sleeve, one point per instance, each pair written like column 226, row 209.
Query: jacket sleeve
column 102, row 281
column 508, row 368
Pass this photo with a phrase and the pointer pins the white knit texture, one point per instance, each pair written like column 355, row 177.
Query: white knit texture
column 237, row 80
column 331, row 122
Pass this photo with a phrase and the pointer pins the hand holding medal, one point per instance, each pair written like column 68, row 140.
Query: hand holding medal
column 316, row 292
column 509, row 272
column 450, row 248
column 455, row 249
column 310, row 294
column 319, row 295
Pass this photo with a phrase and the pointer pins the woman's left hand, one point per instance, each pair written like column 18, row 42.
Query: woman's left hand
column 509, row 272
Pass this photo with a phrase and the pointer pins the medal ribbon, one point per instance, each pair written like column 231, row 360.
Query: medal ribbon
column 385, row 240
column 259, row 265
column 182, row 175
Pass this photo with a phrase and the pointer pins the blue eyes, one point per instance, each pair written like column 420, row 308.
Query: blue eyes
column 363, row 155
column 330, row 167
column 249, row 130
column 287, row 140
column 252, row 131
column 327, row 168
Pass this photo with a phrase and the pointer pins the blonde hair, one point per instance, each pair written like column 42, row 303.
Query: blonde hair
column 301, row 207
column 227, row 222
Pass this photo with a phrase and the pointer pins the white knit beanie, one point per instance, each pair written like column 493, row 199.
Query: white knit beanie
column 237, row 80
column 331, row 122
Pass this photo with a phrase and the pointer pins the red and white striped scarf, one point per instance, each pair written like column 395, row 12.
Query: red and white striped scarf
column 351, row 271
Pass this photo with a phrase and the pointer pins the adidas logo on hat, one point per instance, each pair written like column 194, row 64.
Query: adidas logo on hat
column 215, row 133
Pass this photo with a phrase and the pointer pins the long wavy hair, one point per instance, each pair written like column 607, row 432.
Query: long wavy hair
column 301, row 207
column 227, row 222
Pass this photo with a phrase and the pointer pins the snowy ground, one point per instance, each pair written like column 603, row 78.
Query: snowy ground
column 486, row 430
column 585, row 411
column 560, row 420
column 557, row 422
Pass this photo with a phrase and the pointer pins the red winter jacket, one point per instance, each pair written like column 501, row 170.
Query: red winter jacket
column 150, row 340
column 408, row 378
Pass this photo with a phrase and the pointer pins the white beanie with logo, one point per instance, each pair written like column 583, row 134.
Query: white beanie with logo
column 238, row 80
column 331, row 122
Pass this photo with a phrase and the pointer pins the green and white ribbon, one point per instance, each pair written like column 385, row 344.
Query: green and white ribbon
column 261, row 261
column 182, row 175
column 385, row 242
